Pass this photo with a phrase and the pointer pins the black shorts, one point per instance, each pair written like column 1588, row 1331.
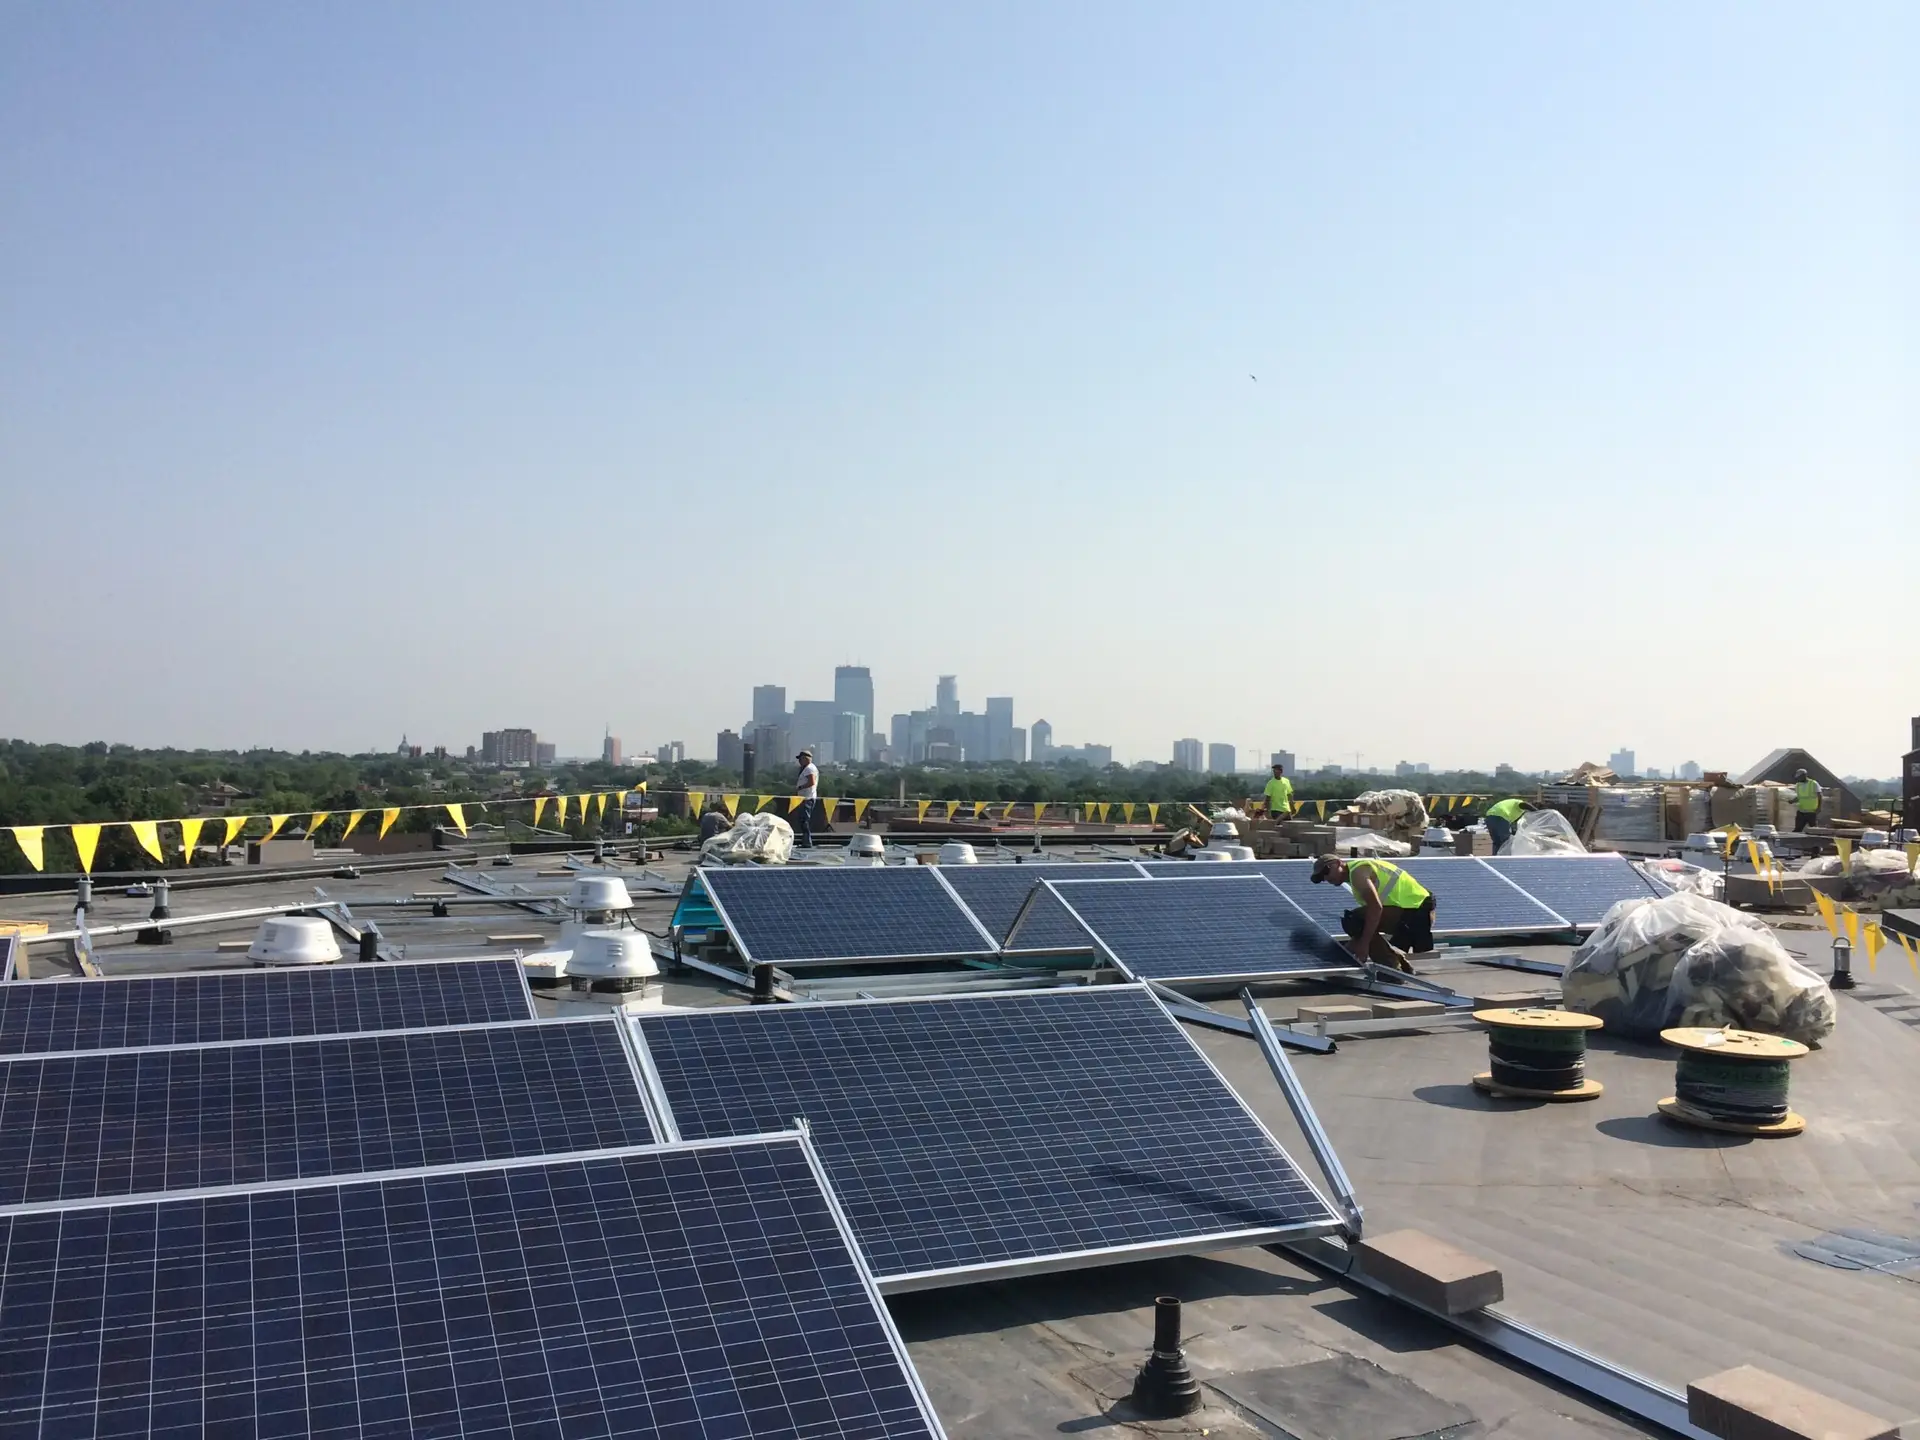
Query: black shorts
column 1409, row 929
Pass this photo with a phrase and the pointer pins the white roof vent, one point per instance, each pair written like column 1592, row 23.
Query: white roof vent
column 599, row 892
column 958, row 852
column 294, row 940
column 612, row 955
column 1216, row 856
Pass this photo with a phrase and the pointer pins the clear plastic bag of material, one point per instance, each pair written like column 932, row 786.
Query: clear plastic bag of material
column 1402, row 813
column 1543, row 832
column 1349, row 840
column 1881, row 865
column 763, row 837
column 1678, row 875
column 1624, row 971
column 1743, row 976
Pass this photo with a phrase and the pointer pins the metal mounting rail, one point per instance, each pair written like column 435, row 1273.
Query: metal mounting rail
column 1303, row 1113
column 515, row 895
column 1570, row 1365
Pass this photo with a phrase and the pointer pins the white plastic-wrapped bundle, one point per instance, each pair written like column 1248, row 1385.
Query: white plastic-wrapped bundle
column 1678, row 875
column 753, row 837
column 1687, row 960
column 1404, row 812
column 1543, row 832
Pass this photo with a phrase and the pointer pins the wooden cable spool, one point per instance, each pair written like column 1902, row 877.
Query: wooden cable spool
column 1537, row 1054
column 1732, row 1081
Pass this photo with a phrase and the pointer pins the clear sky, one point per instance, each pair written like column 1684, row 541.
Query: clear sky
column 370, row 368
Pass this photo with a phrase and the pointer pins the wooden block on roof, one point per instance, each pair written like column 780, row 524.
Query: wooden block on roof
column 1405, row 1009
column 1313, row 1014
column 1431, row 1272
column 1747, row 1403
column 1513, row 999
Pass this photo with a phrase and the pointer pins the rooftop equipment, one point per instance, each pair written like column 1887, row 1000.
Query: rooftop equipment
column 294, row 940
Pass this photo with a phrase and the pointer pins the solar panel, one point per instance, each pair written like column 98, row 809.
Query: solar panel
column 41, row 1016
column 813, row 914
column 995, row 893
column 999, row 1134
column 1470, row 899
column 1579, row 888
column 129, row 1122
column 1195, row 869
column 669, row 1292
column 1239, row 930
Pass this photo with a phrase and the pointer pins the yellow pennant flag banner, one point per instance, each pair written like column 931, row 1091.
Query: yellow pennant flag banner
column 620, row 798
column 387, row 817
column 1825, row 906
column 979, row 809
column 190, row 836
column 1153, row 814
column 953, row 808
column 32, row 842
column 794, row 802
column 920, row 809
column 732, row 802
column 826, row 810
column 1127, row 811
column 583, row 808
column 278, row 821
column 539, row 807
column 1733, row 834
column 695, row 799
column 458, row 816
column 86, row 840
column 147, row 832
column 1039, row 809
column 1913, row 953
column 1851, row 919
column 1845, row 850
column 761, row 802
column 1323, row 808
column 235, row 824
column 860, row 809
column 318, row 819
column 353, row 819
column 1875, row 941
column 600, row 806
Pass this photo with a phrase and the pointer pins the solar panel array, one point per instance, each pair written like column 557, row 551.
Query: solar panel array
column 1470, row 899
column 809, row 915
column 1579, row 888
column 995, row 894
column 131, row 1122
column 675, row 1292
column 1237, row 929
column 40, row 1016
column 980, row 1135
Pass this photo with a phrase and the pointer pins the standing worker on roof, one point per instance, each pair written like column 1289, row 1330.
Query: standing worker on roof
column 1806, row 800
column 1394, row 909
column 808, row 784
column 1502, row 817
column 1279, row 793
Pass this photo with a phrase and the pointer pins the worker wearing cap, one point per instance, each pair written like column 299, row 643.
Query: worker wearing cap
column 1502, row 817
column 1279, row 793
column 808, row 784
column 1806, row 800
column 1394, row 910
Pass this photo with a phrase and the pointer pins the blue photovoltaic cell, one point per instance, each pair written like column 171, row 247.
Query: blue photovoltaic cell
column 995, row 894
column 1579, row 888
column 1196, row 869
column 673, row 1292
column 131, row 1122
column 1470, row 899
column 964, row 1134
column 1324, row 904
column 1238, row 929
column 42, row 1016
column 783, row 916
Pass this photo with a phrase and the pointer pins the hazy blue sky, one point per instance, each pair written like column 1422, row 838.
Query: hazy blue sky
column 380, row 368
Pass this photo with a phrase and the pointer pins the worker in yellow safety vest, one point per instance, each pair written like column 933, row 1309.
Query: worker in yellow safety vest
column 1394, row 908
column 1806, row 800
column 1502, row 817
column 1279, row 793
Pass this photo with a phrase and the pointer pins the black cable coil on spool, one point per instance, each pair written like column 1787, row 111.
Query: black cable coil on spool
column 1529, row 1059
column 1742, row 1092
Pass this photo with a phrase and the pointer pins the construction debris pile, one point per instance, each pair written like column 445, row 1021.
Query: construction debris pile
column 1399, row 814
column 752, row 837
column 1687, row 960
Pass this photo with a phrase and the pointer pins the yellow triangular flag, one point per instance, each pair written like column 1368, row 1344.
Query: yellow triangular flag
column 600, row 806
column 539, row 806
column 1039, row 809
column 190, row 837
column 732, row 802
column 1844, row 848
column 1153, row 814
column 583, row 808
column 1733, row 834
column 1851, row 919
column 387, row 817
column 32, row 842
column 1825, row 907
column 273, row 829
column 1913, row 854
column 763, row 801
column 1323, row 808
column 1772, row 871
column 560, row 808
column 1874, row 941
column 794, row 802
column 860, row 810
column 86, row 839
column 147, row 832
column 620, row 800
column 353, row 819
column 1753, row 855
column 695, row 799
column 1126, row 810
column 458, row 817
column 953, row 808
column 314, row 822
column 920, row 809
column 1913, row 953
column 825, row 813
column 979, row 809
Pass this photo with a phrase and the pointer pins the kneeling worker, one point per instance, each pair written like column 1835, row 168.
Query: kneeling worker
column 1394, row 910
column 1501, row 819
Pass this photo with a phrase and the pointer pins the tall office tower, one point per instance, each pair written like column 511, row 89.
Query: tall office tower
column 1220, row 759
column 1189, row 754
column 946, row 697
column 853, row 693
column 1041, row 739
column 999, row 727
column 769, row 704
